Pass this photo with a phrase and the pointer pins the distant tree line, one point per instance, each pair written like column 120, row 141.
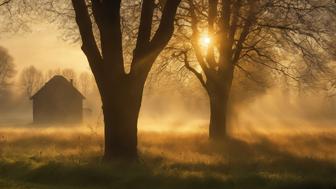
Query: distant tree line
column 32, row 79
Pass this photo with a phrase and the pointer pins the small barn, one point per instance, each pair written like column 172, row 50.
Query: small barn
column 58, row 101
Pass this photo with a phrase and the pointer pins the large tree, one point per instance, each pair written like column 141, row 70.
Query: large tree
column 121, row 91
column 227, row 36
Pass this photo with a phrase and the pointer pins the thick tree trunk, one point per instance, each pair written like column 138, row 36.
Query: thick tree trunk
column 121, row 110
column 219, row 93
column 218, row 114
column 121, row 92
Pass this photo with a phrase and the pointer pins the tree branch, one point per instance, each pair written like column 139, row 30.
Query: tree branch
column 187, row 65
column 89, row 45
column 144, row 32
column 160, row 38
column 111, row 36
column 245, row 32
column 5, row 2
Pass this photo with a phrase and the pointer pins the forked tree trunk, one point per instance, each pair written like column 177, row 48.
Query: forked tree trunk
column 121, row 92
column 121, row 110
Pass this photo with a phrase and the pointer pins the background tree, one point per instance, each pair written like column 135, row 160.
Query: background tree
column 71, row 75
column 121, row 91
column 7, row 73
column 230, row 35
column 16, row 15
column 31, row 80
column 85, row 83
column 51, row 73
column 7, row 68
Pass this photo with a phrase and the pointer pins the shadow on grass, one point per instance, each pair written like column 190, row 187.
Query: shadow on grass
column 242, row 165
column 138, row 176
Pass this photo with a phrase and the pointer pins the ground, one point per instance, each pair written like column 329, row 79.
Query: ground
column 69, row 158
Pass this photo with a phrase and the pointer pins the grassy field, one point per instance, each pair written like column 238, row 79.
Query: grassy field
column 70, row 158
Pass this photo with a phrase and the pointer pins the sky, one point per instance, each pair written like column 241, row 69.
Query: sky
column 44, row 48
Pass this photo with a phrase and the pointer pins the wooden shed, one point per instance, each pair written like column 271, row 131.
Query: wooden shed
column 58, row 101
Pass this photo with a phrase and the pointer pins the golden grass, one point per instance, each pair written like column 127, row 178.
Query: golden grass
column 255, row 158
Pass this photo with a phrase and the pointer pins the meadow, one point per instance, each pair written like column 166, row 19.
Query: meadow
column 69, row 158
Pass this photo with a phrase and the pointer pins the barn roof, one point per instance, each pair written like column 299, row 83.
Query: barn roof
column 58, row 80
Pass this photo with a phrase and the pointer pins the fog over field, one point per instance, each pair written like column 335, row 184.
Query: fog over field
column 167, row 94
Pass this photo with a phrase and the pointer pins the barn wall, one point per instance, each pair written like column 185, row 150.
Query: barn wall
column 57, row 107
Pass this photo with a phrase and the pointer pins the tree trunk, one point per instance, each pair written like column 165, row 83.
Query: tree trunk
column 121, row 110
column 121, row 92
column 218, row 114
column 219, row 93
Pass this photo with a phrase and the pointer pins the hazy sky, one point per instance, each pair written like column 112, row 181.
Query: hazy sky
column 44, row 48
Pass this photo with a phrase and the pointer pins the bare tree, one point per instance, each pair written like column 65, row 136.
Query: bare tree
column 121, row 91
column 16, row 15
column 31, row 80
column 7, row 68
column 85, row 83
column 51, row 73
column 229, row 35
column 7, row 73
column 71, row 75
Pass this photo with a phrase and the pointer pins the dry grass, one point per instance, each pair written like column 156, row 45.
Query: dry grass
column 70, row 158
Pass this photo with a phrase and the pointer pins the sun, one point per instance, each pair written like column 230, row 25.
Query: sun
column 205, row 40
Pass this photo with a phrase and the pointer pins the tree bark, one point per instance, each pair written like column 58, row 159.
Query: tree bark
column 121, row 110
column 219, row 93
column 218, row 114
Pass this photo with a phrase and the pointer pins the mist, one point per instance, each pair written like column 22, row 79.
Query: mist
column 190, row 105
column 185, row 105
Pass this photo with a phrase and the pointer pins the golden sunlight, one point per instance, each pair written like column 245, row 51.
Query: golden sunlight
column 193, row 94
column 205, row 40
